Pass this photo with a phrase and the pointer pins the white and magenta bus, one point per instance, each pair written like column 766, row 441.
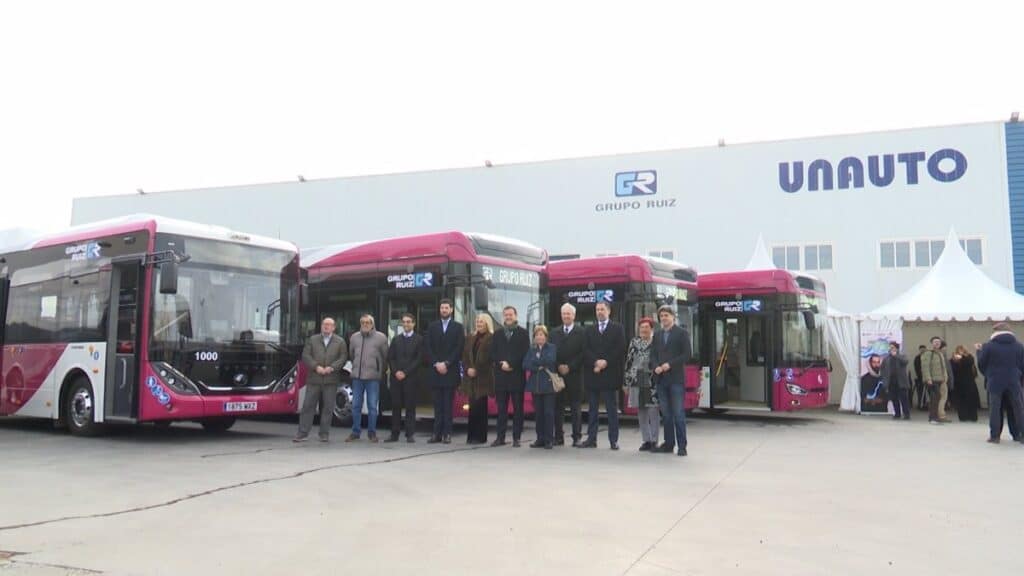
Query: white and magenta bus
column 411, row 274
column 635, row 286
column 765, row 337
column 147, row 319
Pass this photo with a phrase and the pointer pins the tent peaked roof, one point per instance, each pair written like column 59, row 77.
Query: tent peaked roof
column 955, row 289
column 760, row 260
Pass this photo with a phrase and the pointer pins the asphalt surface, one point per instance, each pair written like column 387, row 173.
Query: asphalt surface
column 824, row 493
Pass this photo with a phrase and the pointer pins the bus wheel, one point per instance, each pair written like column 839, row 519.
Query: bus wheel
column 80, row 409
column 342, row 413
column 218, row 425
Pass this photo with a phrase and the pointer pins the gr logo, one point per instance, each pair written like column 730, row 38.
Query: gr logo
column 641, row 183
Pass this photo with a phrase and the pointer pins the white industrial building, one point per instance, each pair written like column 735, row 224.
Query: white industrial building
column 868, row 213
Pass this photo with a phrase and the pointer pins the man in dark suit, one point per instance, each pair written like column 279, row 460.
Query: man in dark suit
column 324, row 356
column 445, row 340
column 568, row 341
column 509, row 346
column 670, row 352
column 604, row 356
column 405, row 357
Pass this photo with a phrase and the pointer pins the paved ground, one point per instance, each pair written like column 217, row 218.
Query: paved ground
column 829, row 494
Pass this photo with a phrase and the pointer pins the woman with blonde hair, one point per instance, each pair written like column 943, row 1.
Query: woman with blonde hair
column 478, row 380
column 540, row 362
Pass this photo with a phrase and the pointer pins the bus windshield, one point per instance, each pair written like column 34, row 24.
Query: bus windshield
column 227, row 293
column 803, row 338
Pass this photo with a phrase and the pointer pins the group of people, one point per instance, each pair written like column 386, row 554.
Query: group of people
column 560, row 367
column 941, row 381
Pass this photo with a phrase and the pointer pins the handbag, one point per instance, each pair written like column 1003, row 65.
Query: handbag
column 557, row 382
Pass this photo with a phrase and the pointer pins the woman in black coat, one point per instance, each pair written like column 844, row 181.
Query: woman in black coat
column 965, row 387
column 540, row 362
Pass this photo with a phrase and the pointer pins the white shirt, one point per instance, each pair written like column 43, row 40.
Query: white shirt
column 444, row 325
column 407, row 334
column 327, row 339
column 602, row 325
column 568, row 328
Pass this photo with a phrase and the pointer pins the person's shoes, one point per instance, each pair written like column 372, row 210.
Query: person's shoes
column 993, row 440
column 549, row 446
column 537, row 444
column 352, row 438
column 298, row 439
column 410, row 440
column 515, row 443
column 945, row 420
column 588, row 444
column 373, row 438
column 392, row 438
column 664, row 449
column 614, row 446
column 577, row 444
column 645, row 447
column 933, row 422
column 498, row 442
column 895, row 417
column 434, row 440
column 906, row 417
column 560, row 441
column 681, row 452
column 323, row 438
column 447, row 439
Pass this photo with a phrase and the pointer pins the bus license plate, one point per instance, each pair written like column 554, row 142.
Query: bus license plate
column 239, row 406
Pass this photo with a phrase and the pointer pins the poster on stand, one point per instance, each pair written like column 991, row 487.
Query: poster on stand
column 875, row 337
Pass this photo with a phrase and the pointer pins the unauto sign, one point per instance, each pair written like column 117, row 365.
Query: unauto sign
column 945, row 165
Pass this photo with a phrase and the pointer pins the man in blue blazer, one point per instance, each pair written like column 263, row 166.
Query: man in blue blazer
column 445, row 341
column 670, row 352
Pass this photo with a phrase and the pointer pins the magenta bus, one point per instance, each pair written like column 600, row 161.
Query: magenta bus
column 765, row 337
column 635, row 286
column 147, row 319
column 391, row 277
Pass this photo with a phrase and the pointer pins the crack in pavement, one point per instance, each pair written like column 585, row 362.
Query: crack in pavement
column 212, row 491
column 9, row 558
column 693, row 507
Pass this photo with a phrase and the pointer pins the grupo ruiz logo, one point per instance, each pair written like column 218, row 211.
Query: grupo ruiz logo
column 631, row 187
column 87, row 251
column 417, row 280
column 945, row 165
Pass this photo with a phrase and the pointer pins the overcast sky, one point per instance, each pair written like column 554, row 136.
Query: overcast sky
column 101, row 98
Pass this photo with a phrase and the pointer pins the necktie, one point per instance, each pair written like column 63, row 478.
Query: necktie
column 602, row 327
column 566, row 329
column 664, row 338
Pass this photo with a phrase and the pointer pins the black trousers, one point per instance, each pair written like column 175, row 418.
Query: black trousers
column 1009, row 403
column 611, row 404
column 503, row 396
column 478, row 420
column 443, row 400
column 561, row 400
column 544, row 412
column 900, row 402
column 403, row 396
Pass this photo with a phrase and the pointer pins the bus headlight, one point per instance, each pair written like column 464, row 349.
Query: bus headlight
column 287, row 381
column 796, row 390
column 174, row 379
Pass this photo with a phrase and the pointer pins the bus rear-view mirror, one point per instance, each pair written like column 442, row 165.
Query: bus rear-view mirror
column 809, row 319
column 169, row 277
column 481, row 294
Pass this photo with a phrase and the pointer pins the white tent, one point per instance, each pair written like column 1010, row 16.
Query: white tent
column 954, row 290
column 760, row 260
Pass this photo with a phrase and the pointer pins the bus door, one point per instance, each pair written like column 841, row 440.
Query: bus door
column 121, row 397
column 740, row 370
column 5, row 285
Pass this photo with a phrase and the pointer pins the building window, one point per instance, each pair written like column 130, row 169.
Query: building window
column 666, row 254
column 786, row 257
column 818, row 257
column 927, row 252
column 973, row 248
column 894, row 254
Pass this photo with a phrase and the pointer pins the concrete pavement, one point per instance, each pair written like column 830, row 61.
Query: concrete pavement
column 825, row 493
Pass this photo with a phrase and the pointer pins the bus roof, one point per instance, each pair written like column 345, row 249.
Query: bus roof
column 459, row 246
column 627, row 268
column 757, row 282
column 136, row 222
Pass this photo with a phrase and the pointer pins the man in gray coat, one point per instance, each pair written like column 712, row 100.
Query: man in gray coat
column 324, row 355
column 369, row 362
